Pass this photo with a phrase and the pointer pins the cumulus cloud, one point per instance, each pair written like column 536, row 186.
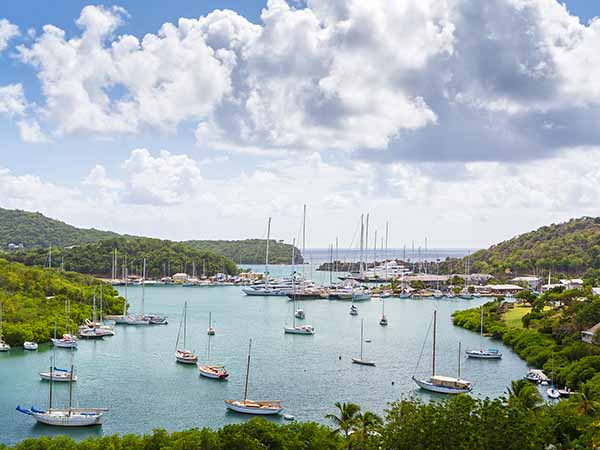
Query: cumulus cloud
column 31, row 132
column 7, row 32
column 12, row 100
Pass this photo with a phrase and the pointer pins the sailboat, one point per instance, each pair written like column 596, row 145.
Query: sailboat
column 67, row 340
column 439, row 383
column 211, row 370
column 353, row 310
column 4, row 347
column 298, row 329
column 383, row 321
column 211, row 330
column 65, row 417
column 361, row 360
column 490, row 353
column 123, row 319
column 552, row 391
column 182, row 355
column 89, row 330
column 140, row 319
column 258, row 407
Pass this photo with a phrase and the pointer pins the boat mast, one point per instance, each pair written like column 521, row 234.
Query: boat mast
column 386, row 248
column 459, row 347
column 374, row 250
column 94, row 307
column 71, row 389
column 481, row 323
column 362, row 322
column 247, row 372
column 101, row 301
column 184, row 323
column 303, row 239
column 143, row 287
column 267, row 253
column 362, row 235
column 434, row 330
column 125, row 271
column 366, row 242
column 337, row 256
column 51, row 383
column 330, row 265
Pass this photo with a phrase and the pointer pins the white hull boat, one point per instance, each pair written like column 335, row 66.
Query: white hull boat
column 182, row 355
column 31, row 346
column 299, row 329
column 4, row 347
column 428, row 385
column 484, row 354
column 214, row 372
column 553, row 393
column 363, row 362
column 254, row 407
column 185, row 357
column 65, row 417
column 58, row 375
column 67, row 341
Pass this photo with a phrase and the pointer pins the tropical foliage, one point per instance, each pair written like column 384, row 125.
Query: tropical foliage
column 251, row 251
column 162, row 258
column 34, row 299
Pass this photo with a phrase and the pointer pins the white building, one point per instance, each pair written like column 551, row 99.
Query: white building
column 588, row 335
column 180, row 277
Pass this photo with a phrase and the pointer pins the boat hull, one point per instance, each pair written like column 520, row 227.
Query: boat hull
column 255, row 408
column 363, row 362
column 59, row 343
column 57, row 377
column 214, row 373
column 428, row 386
column 476, row 354
column 299, row 330
column 62, row 419
column 31, row 346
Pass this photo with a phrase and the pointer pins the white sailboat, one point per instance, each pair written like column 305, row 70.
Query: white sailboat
column 65, row 417
column 213, row 371
column 122, row 320
column 211, row 330
column 30, row 346
column 439, row 383
column 490, row 353
column 140, row 319
column 383, row 321
column 353, row 310
column 183, row 355
column 67, row 340
column 298, row 329
column 257, row 407
column 4, row 347
column 361, row 360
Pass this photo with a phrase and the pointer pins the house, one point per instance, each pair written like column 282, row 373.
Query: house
column 530, row 281
column 180, row 277
column 588, row 335
column 573, row 283
column 504, row 289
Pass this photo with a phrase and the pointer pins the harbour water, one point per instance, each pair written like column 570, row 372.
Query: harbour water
column 134, row 373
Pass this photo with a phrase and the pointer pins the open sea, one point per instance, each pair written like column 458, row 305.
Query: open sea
column 134, row 373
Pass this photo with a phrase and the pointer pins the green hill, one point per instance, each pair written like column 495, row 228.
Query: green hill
column 33, row 300
column 568, row 248
column 251, row 251
column 36, row 230
column 162, row 258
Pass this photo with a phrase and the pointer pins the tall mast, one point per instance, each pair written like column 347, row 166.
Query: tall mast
column 362, row 235
column 101, row 300
column 367, row 242
column 247, row 372
column 51, row 383
column 374, row 248
column 362, row 322
column 330, row 265
column 481, row 322
column 143, row 285
column 267, row 252
column 337, row 256
column 125, row 271
column 94, row 307
column 434, row 330
column 303, row 239
column 71, row 389
column 459, row 346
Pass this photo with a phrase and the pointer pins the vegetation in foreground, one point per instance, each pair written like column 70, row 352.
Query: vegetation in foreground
column 162, row 258
column 33, row 300
column 520, row 421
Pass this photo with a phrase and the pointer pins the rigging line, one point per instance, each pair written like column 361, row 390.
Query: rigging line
column 423, row 347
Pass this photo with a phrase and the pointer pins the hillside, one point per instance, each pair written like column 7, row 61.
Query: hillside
column 33, row 300
column 251, row 251
column 571, row 248
column 36, row 230
column 162, row 258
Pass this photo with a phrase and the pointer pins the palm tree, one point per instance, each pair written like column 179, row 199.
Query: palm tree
column 523, row 393
column 585, row 401
column 346, row 421
column 368, row 425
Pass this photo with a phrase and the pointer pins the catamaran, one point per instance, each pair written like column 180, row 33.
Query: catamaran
column 361, row 360
column 490, row 353
column 211, row 370
column 439, row 383
column 182, row 355
column 4, row 347
column 258, row 407
column 65, row 417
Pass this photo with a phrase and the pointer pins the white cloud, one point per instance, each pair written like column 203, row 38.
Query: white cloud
column 30, row 132
column 12, row 100
column 7, row 32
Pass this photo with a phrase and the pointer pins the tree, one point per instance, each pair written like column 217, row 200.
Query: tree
column 586, row 400
column 367, row 430
column 347, row 418
column 524, row 394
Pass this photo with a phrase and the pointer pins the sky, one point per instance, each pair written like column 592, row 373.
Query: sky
column 462, row 122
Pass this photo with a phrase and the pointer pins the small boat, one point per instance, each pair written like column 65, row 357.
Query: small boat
column 300, row 314
column 299, row 329
column 58, row 375
column 182, row 355
column 67, row 341
column 90, row 333
column 360, row 360
column 31, row 346
column 383, row 321
column 443, row 384
column 211, row 370
column 65, row 417
column 450, row 295
column 490, row 353
column 288, row 417
column 532, row 376
column 210, row 331
column 257, row 407
column 353, row 310
column 156, row 319
column 4, row 347
column 137, row 320
column 553, row 393
column 404, row 295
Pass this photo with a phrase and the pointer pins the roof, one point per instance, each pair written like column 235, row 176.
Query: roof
column 594, row 328
column 504, row 287
column 532, row 278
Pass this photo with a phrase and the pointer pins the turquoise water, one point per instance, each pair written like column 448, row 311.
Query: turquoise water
column 134, row 373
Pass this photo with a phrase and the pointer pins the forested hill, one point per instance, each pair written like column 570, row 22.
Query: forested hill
column 251, row 251
column 36, row 230
column 569, row 248
column 162, row 258
column 33, row 300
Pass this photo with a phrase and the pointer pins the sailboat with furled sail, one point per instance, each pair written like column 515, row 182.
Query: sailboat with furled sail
column 65, row 417
column 257, row 407
column 214, row 371
column 482, row 353
column 361, row 360
column 439, row 383
column 183, row 355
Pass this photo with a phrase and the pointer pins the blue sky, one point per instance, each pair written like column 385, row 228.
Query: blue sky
column 445, row 118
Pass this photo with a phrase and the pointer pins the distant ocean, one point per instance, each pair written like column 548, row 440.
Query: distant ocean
column 317, row 256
